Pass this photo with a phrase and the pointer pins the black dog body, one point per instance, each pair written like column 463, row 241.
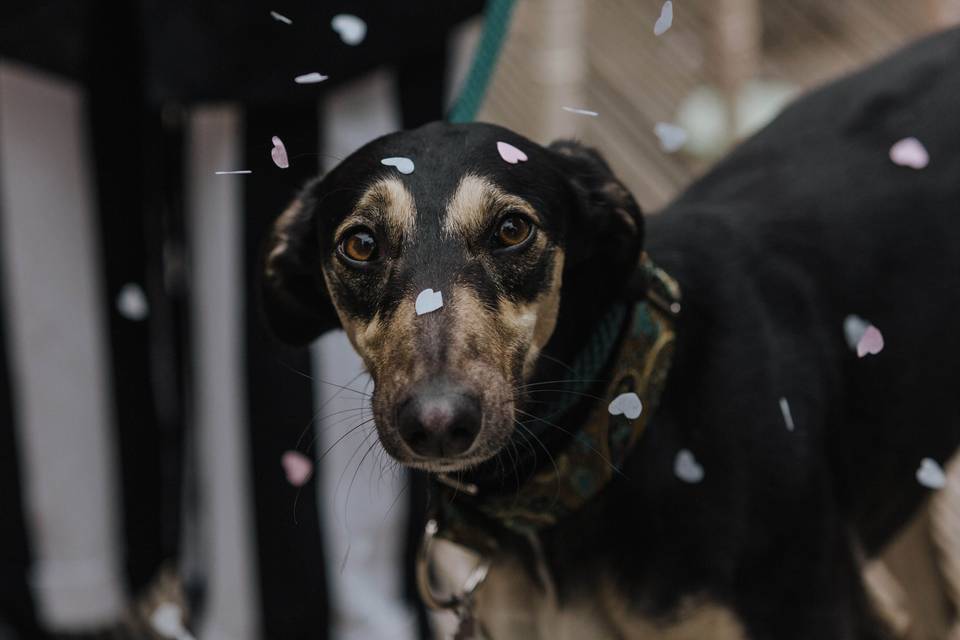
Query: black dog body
column 804, row 224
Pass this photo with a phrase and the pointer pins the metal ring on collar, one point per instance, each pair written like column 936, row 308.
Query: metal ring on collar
column 453, row 602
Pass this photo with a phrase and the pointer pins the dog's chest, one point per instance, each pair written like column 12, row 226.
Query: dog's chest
column 510, row 605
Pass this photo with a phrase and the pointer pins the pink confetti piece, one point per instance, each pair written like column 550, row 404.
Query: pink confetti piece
column 279, row 17
column 310, row 78
column 871, row 342
column 582, row 112
column 351, row 29
column 279, row 153
column 910, row 152
column 510, row 153
column 233, row 173
column 297, row 466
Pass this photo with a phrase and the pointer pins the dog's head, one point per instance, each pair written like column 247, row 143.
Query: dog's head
column 509, row 247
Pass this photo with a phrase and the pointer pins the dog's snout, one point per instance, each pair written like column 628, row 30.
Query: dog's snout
column 440, row 422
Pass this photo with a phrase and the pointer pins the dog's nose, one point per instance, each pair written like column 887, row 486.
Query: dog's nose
column 440, row 423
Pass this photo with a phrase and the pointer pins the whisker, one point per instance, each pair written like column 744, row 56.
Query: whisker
column 601, row 456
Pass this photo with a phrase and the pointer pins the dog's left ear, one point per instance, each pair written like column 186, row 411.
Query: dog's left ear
column 607, row 228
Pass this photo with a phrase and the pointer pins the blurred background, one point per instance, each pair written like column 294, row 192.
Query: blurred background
column 166, row 468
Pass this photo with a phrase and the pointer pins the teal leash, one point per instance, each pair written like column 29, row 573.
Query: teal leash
column 496, row 23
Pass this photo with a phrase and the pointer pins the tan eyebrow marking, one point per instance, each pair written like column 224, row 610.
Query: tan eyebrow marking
column 475, row 201
column 389, row 202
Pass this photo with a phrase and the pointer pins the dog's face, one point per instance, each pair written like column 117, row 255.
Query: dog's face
column 497, row 240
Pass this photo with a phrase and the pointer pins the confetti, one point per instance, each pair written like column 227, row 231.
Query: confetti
column 861, row 336
column 583, row 112
column 279, row 153
column 686, row 467
column 672, row 138
column 626, row 403
column 310, row 78
column 510, row 153
column 297, row 466
column 233, row 173
column 787, row 416
column 167, row 621
column 665, row 20
column 403, row 165
column 132, row 302
column 931, row 475
column 909, row 152
column 279, row 17
column 428, row 300
column 351, row 29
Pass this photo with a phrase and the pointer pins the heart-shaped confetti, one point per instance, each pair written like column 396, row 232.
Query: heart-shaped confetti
column 297, row 466
column 279, row 17
column 351, row 29
column 672, row 138
column 861, row 336
column 930, row 474
column 132, row 302
column 909, row 152
column 428, row 300
column 627, row 404
column 279, row 153
column 787, row 415
column 582, row 112
column 310, row 78
column 510, row 153
column 871, row 342
column 665, row 20
column 403, row 165
column 686, row 467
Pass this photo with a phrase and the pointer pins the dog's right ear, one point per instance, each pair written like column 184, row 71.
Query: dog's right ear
column 293, row 294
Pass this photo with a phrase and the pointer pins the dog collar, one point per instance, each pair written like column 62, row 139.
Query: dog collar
column 643, row 345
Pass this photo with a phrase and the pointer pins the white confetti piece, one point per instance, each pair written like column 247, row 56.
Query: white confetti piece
column 310, row 78
column 665, row 21
column 686, row 467
column 910, row 152
column 428, row 300
column 930, row 474
column 787, row 416
column 627, row 404
column 351, row 29
column 279, row 17
column 582, row 112
column 132, row 302
column 403, row 165
column 233, row 173
column 672, row 138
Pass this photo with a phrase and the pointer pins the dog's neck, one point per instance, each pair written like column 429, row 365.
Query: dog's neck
column 579, row 448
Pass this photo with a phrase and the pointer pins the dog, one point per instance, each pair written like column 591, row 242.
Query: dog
column 773, row 457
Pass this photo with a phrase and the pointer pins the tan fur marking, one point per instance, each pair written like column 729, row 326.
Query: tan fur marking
column 386, row 201
column 473, row 204
column 511, row 606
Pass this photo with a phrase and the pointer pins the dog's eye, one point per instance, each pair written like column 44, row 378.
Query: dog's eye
column 513, row 230
column 359, row 245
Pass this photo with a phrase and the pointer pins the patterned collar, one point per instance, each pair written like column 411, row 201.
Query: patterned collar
column 637, row 356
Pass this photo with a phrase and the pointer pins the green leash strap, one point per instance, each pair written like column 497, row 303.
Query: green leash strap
column 496, row 23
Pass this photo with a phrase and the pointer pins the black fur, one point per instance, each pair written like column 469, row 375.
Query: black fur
column 805, row 223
